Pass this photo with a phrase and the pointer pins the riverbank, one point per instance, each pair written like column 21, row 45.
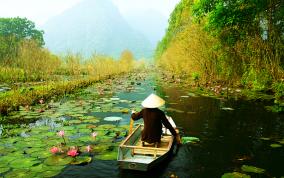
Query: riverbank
column 222, row 89
column 28, row 96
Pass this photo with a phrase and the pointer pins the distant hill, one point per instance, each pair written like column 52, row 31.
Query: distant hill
column 95, row 26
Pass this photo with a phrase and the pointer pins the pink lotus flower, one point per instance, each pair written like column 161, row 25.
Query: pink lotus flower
column 94, row 134
column 41, row 101
column 54, row 150
column 61, row 133
column 72, row 153
column 88, row 148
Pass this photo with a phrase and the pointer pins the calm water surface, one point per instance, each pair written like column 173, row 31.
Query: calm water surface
column 230, row 133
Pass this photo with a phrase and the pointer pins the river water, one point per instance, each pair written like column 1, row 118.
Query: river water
column 232, row 133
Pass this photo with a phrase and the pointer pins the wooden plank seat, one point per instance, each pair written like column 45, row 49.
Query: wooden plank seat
column 154, row 149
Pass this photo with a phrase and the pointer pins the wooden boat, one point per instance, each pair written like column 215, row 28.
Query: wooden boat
column 134, row 155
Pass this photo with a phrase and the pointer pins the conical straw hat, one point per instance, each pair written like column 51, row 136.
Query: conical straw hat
column 153, row 101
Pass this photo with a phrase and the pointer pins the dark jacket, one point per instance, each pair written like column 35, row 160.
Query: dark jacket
column 153, row 120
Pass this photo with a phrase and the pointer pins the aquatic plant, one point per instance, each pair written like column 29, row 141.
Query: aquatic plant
column 73, row 152
column 61, row 133
column 54, row 150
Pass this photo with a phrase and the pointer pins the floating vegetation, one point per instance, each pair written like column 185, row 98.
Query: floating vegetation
column 227, row 109
column 185, row 140
column 275, row 145
column 252, row 169
column 113, row 118
column 235, row 175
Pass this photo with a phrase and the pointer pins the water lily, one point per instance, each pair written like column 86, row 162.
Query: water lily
column 94, row 134
column 61, row 133
column 41, row 101
column 72, row 153
column 54, row 150
column 88, row 148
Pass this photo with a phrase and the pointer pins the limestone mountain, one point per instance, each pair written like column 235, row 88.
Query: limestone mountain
column 94, row 26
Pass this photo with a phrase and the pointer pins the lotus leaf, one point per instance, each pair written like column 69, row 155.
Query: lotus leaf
column 57, row 160
column 40, row 154
column 68, row 128
column 235, row 175
column 6, row 159
column 275, row 145
column 82, row 126
column 75, row 122
column 85, row 138
column 281, row 141
column 189, row 140
column 100, row 148
column 107, row 156
column 81, row 160
column 43, row 168
column 20, row 173
column 84, row 130
column 253, row 169
column 106, row 126
column 31, row 150
column 23, row 162
column 49, row 173
column 4, row 169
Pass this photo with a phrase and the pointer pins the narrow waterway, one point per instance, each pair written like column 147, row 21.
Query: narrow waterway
column 232, row 132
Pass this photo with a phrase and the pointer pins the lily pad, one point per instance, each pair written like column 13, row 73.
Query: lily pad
column 107, row 156
column 23, row 162
column 275, row 145
column 81, row 160
column 6, row 159
column 189, row 140
column 253, row 169
column 49, row 173
column 20, row 173
column 57, row 160
column 4, row 169
column 43, row 168
column 235, row 175
column 40, row 154
column 113, row 118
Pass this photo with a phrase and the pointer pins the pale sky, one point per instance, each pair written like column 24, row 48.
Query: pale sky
column 39, row 11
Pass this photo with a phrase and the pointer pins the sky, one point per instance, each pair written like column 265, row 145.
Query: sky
column 39, row 11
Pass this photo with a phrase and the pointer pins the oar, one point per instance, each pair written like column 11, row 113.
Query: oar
column 130, row 125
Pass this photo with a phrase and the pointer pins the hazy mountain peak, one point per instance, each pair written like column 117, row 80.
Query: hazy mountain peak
column 94, row 25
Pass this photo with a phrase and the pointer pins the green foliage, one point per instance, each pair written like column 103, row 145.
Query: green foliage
column 278, row 88
column 179, row 18
column 256, row 80
column 226, row 42
column 13, row 31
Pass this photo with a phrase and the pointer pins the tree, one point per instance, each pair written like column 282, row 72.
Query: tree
column 15, row 30
column 127, row 60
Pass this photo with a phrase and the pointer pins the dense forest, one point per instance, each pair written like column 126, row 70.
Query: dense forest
column 231, row 43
